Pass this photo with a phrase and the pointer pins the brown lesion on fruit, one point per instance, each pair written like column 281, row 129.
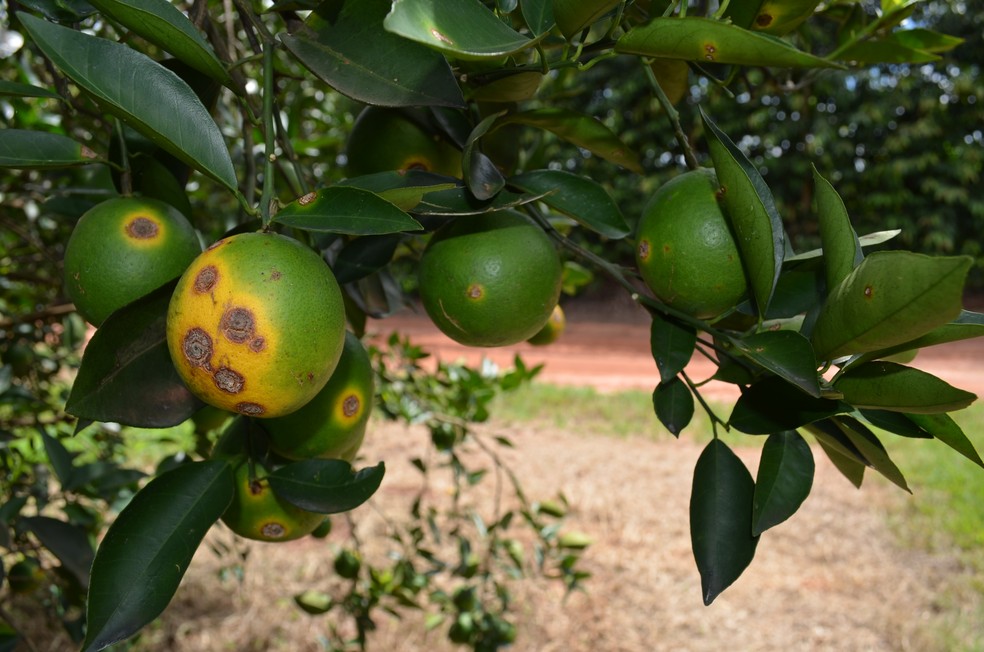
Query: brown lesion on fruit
column 205, row 279
column 228, row 380
column 764, row 20
column 255, row 486
column 142, row 228
column 644, row 249
column 720, row 193
column 475, row 291
column 197, row 348
column 273, row 530
column 257, row 344
column 307, row 199
column 868, row 292
column 250, row 409
column 238, row 325
column 351, row 405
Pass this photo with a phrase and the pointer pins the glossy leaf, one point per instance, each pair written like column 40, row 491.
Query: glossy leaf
column 517, row 87
column 721, row 518
column 581, row 130
column 966, row 326
column 326, row 486
column 874, row 452
column 786, row 354
column 706, row 40
column 27, row 148
column 784, row 479
column 752, row 213
column 841, row 248
column 673, row 404
column 149, row 546
column 127, row 375
column 59, row 458
column 465, row 29
column 866, row 240
column 402, row 188
column 883, row 385
column 927, row 40
column 459, row 201
column 673, row 76
column 61, row 11
column 363, row 256
column 772, row 405
column 577, row 197
column 944, row 428
column 538, row 15
column 574, row 15
column 892, row 297
column 355, row 55
column 849, row 467
column 16, row 89
column 896, row 423
column 164, row 25
column 342, row 209
column 69, row 543
column 482, row 176
column 141, row 92
column 672, row 345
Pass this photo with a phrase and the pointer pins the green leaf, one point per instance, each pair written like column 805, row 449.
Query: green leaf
column 314, row 602
column 966, row 326
column 149, row 546
column 885, row 50
column 482, row 176
column 363, row 256
column 514, row 87
column 326, row 486
column 26, row 148
column 867, row 240
column 127, row 375
column 581, row 130
column 849, row 467
column 465, row 29
column 896, row 423
column 355, row 55
column 944, row 428
column 69, row 543
column 772, row 405
column 786, row 354
column 841, row 247
column 61, row 11
column 873, row 451
column 59, row 458
column 16, row 89
column 539, row 15
column 752, row 213
column 574, row 15
column 345, row 209
column 164, row 25
column 673, row 404
column 459, row 201
column 721, row 518
column 672, row 345
column 705, row 40
column 927, row 40
column 141, row 92
column 883, row 385
column 577, row 197
column 784, row 479
column 892, row 297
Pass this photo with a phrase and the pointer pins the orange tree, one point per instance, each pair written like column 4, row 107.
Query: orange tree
column 237, row 118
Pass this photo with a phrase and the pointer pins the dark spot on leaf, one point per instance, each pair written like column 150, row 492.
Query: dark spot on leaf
column 238, row 325
column 273, row 530
column 710, row 49
column 307, row 199
column 197, row 347
column 351, row 405
column 228, row 381
column 720, row 193
column 250, row 409
column 142, row 228
column 763, row 20
column 206, row 279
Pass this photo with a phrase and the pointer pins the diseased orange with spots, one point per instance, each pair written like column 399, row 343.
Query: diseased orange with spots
column 256, row 325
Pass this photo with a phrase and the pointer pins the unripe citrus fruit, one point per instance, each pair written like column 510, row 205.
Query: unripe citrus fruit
column 257, row 513
column 490, row 279
column 553, row 329
column 122, row 249
column 385, row 139
column 684, row 248
column 333, row 423
column 256, row 325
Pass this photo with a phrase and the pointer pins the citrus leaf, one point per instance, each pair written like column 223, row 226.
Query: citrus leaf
column 363, row 256
column 459, row 201
column 26, row 148
column 127, row 376
column 720, row 518
column 892, row 297
column 61, row 11
column 752, row 213
column 772, row 404
column 673, row 76
column 672, row 345
column 27, row 90
column 784, row 479
column 141, row 92
column 896, row 423
column 882, row 385
column 780, row 17
column 574, row 15
column 867, row 443
column 481, row 175
column 706, row 40
column 581, row 130
column 69, row 543
column 539, row 15
column 59, row 458
column 164, row 25
column 465, row 29
column 515, row 87
column 926, row 39
column 841, row 248
column 849, row 467
column 886, row 50
column 577, row 197
column 944, row 428
column 673, row 404
column 345, row 209
column 355, row 55
column 867, row 240
column 149, row 546
column 785, row 353
column 966, row 326
column 326, row 486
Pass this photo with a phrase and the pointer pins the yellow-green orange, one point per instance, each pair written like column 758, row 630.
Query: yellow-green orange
column 684, row 247
column 256, row 325
column 553, row 329
column 333, row 423
column 122, row 249
column 385, row 139
column 490, row 279
column 256, row 512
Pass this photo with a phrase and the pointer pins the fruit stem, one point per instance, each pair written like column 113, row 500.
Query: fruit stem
column 126, row 174
column 269, row 135
column 672, row 115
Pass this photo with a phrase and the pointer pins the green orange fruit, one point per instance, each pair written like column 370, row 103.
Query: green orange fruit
column 256, row 325
column 122, row 249
column 491, row 279
column 384, row 139
column 256, row 512
column 553, row 329
column 685, row 249
column 333, row 423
